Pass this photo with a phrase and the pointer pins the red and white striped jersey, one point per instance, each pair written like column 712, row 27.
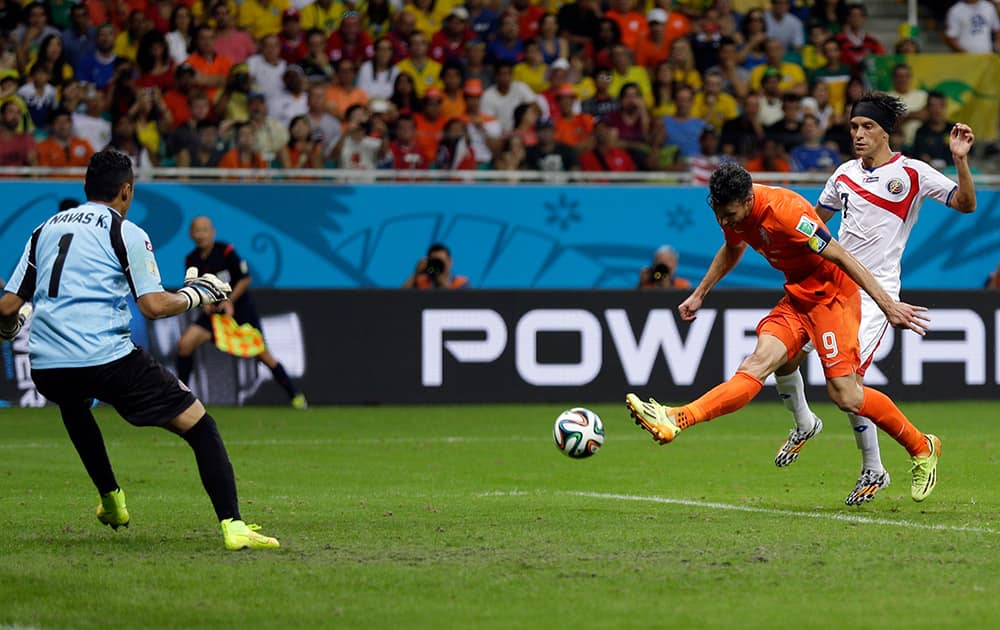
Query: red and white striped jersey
column 879, row 208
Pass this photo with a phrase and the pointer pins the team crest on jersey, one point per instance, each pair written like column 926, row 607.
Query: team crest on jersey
column 895, row 186
column 149, row 246
column 806, row 225
column 764, row 237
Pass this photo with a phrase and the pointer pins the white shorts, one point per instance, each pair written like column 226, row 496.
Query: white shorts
column 870, row 332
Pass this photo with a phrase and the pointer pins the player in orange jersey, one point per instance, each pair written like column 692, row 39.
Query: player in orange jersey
column 821, row 303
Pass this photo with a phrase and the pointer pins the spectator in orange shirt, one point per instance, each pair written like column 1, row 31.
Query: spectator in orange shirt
column 655, row 47
column 211, row 70
column 62, row 148
column 633, row 24
column 429, row 124
column 606, row 156
column 452, row 99
column 572, row 129
column 341, row 96
column 769, row 160
column 243, row 155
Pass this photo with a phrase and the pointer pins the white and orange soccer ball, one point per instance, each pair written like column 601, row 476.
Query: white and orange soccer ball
column 578, row 432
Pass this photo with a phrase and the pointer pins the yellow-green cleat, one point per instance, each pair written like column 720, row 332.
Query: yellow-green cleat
column 112, row 510
column 653, row 417
column 924, row 470
column 299, row 402
column 239, row 535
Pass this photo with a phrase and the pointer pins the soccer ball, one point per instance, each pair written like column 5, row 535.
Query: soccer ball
column 578, row 432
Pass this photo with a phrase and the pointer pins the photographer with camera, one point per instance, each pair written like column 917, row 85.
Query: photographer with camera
column 662, row 273
column 434, row 271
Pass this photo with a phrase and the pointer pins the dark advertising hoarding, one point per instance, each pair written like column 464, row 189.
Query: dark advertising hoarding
column 370, row 346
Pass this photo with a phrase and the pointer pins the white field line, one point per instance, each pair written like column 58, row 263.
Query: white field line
column 445, row 439
column 849, row 518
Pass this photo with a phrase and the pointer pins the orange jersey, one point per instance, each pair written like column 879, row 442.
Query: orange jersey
column 784, row 228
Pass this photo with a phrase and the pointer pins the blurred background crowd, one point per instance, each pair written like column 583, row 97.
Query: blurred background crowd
column 594, row 85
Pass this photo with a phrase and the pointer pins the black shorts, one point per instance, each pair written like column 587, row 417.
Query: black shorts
column 242, row 315
column 136, row 385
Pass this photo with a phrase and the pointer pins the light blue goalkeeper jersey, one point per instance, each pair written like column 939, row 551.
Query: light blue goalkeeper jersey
column 77, row 269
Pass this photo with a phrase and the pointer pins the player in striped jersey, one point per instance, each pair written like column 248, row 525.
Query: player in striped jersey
column 879, row 195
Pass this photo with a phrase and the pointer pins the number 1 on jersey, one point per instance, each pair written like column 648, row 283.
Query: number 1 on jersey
column 57, row 266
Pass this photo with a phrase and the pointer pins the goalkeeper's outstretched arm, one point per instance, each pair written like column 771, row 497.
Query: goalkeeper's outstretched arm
column 197, row 291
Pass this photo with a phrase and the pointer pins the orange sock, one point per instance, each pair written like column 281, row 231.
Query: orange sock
column 726, row 398
column 887, row 416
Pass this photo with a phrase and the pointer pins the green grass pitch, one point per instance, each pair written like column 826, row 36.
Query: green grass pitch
column 468, row 517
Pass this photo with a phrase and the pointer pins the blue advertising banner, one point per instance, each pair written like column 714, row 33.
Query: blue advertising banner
column 303, row 235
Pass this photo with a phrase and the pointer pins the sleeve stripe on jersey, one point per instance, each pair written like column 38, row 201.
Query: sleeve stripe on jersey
column 27, row 289
column 947, row 201
column 830, row 208
column 118, row 244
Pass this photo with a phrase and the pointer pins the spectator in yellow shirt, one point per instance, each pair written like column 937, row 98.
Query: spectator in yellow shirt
column 532, row 70
column 430, row 14
column 713, row 105
column 323, row 15
column 127, row 42
column 262, row 17
column 424, row 71
column 623, row 73
column 793, row 78
column 682, row 59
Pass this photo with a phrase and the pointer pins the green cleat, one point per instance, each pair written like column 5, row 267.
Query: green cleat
column 112, row 510
column 924, row 470
column 299, row 402
column 239, row 535
column 653, row 417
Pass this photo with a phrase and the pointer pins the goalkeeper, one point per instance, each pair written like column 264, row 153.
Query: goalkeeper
column 77, row 269
column 221, row 259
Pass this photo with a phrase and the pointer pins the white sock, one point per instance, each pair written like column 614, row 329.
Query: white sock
column 793, row 394
column 866, row 435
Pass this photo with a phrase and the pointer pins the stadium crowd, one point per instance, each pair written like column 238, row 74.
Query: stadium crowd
column 619, row 85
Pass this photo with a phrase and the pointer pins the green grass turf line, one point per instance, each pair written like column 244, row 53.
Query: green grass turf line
column 468, row 516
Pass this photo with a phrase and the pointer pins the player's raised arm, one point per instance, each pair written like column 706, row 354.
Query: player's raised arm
column 725, row 259
column 899, row 314
column 960, row 141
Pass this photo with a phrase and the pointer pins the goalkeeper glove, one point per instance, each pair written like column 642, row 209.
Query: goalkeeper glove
column 23, row 314
column 204, row 289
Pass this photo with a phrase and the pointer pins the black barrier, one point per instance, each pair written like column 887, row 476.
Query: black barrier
column 535, row 346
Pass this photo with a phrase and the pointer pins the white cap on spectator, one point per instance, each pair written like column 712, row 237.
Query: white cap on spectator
column 378, row 105
column 560, row 64
column 657, row 15
column 460, row 12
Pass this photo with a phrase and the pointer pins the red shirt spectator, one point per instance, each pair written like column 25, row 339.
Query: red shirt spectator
column 350, row 42
column 292, row 38
column 528, row 18
column 449, row 42
column 406, row 155
column 16, row 149
column 610, row 159
column 855, row 43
